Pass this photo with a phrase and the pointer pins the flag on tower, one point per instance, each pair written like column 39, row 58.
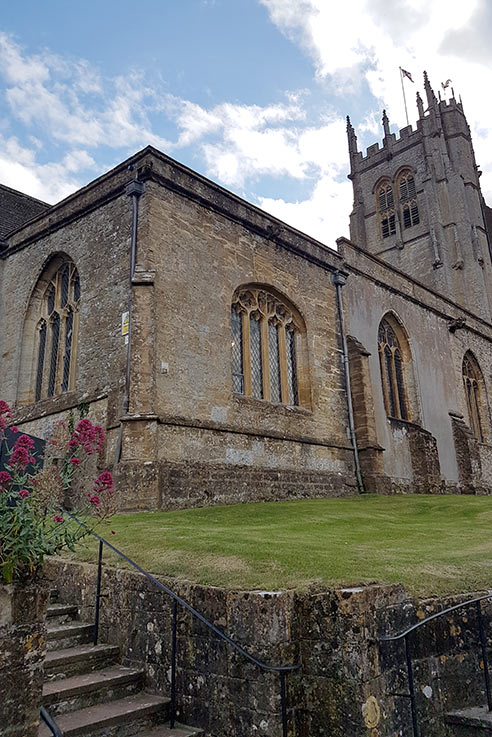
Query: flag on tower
column 406, row 74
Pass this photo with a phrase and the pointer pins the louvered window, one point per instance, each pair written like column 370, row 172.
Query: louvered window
column 408, row 200
column 386, row 210
column 265, row 334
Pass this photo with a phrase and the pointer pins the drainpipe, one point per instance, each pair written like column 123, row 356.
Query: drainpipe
column 134, row 189
column 339, row 280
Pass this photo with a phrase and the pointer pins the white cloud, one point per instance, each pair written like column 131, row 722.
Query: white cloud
column 365, row 41
column 49, row 182
column 324, row 215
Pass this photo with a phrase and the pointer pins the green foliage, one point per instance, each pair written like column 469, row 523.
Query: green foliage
column 32, row 524
column 435, row 544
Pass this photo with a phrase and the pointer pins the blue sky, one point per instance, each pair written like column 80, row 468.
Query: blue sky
column 252, row 93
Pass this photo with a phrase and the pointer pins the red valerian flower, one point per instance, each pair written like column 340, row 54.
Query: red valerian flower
column 74, row 461
column 5, row 409
column 5, row 478
column 24, row 442
column 57, row 518
column 90, row 437
column 21, row 457
column 24, row 493
column 104, row 482
column 3, row 424
column 95, row 500
column 14, row 428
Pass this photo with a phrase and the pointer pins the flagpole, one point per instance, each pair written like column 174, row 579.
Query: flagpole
column 404, row 98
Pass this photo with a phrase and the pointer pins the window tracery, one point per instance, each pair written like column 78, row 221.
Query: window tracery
column 472, row 381
column 265, row 345
column 408, row 200
column 391, row 362
column 56, row 332
column 386, row 209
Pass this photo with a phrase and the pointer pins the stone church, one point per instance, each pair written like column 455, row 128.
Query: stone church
column 232, row 358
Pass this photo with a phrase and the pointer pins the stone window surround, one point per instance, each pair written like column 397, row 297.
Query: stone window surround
column 269, row 307
column 404, row 186
column 405, row 408
column 475, row 397
column 30, row 389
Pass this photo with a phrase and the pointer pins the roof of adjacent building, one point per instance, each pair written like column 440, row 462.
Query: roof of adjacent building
column 16, row 208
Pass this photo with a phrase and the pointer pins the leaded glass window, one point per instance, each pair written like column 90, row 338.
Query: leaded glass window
column 265, row 333
column 472, row 380
column 274, row 362
column 392, row 372
column 237, row 352
column 56, row 330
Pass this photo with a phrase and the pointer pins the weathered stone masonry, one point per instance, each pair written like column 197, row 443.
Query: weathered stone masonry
column 189, row 436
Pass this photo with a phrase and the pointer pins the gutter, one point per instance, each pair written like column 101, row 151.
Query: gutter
column 339, row 280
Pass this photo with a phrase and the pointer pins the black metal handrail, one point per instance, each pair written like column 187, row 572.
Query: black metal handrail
column 50, row 723
column 280, row 669
column 405, row 637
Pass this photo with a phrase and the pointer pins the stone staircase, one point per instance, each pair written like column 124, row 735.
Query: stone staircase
column 90, row 694
column 475, row 721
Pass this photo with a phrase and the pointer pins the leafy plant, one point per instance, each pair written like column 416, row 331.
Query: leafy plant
column 32, row 522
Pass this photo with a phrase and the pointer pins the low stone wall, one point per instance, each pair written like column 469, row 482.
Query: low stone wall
column 350, row 684
column 22, row 652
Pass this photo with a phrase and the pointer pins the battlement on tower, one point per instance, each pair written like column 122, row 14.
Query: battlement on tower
column 440, row 117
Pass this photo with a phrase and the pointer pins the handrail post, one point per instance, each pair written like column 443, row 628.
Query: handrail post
column 485, row 661
column 283, row 703
column 98, row 593
column 172, row 705
column 411, row 688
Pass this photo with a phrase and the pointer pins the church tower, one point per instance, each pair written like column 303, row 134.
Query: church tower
column 418, row 203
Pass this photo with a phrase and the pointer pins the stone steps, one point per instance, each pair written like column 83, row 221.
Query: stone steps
column 90, row 694
column 68, row 634
column 59, row 613
column 124, row 717
column 79, row 659
column 89, row 689
column 475, row 721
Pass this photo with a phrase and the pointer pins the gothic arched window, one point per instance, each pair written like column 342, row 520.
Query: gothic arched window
column 57, row 322
column 266, row 336
column 475, row 401
column 392, row 364
column 386, row 209
column 408, row 199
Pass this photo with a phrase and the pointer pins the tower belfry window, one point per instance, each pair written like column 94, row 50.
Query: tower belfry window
column 408, row 200
column 386, row 209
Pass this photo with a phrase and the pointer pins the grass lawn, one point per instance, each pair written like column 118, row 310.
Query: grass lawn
column 431, row 544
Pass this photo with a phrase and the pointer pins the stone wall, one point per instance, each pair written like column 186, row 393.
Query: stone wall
column 439, row 334
column 22, row 652
column 350, row 684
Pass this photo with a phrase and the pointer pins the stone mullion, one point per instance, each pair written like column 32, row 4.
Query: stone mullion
column 384, row 378
column 246, row 355
column 73, row 355
column 475, row 410
column 394, row 383
column 282, row 354
column 265, row 358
